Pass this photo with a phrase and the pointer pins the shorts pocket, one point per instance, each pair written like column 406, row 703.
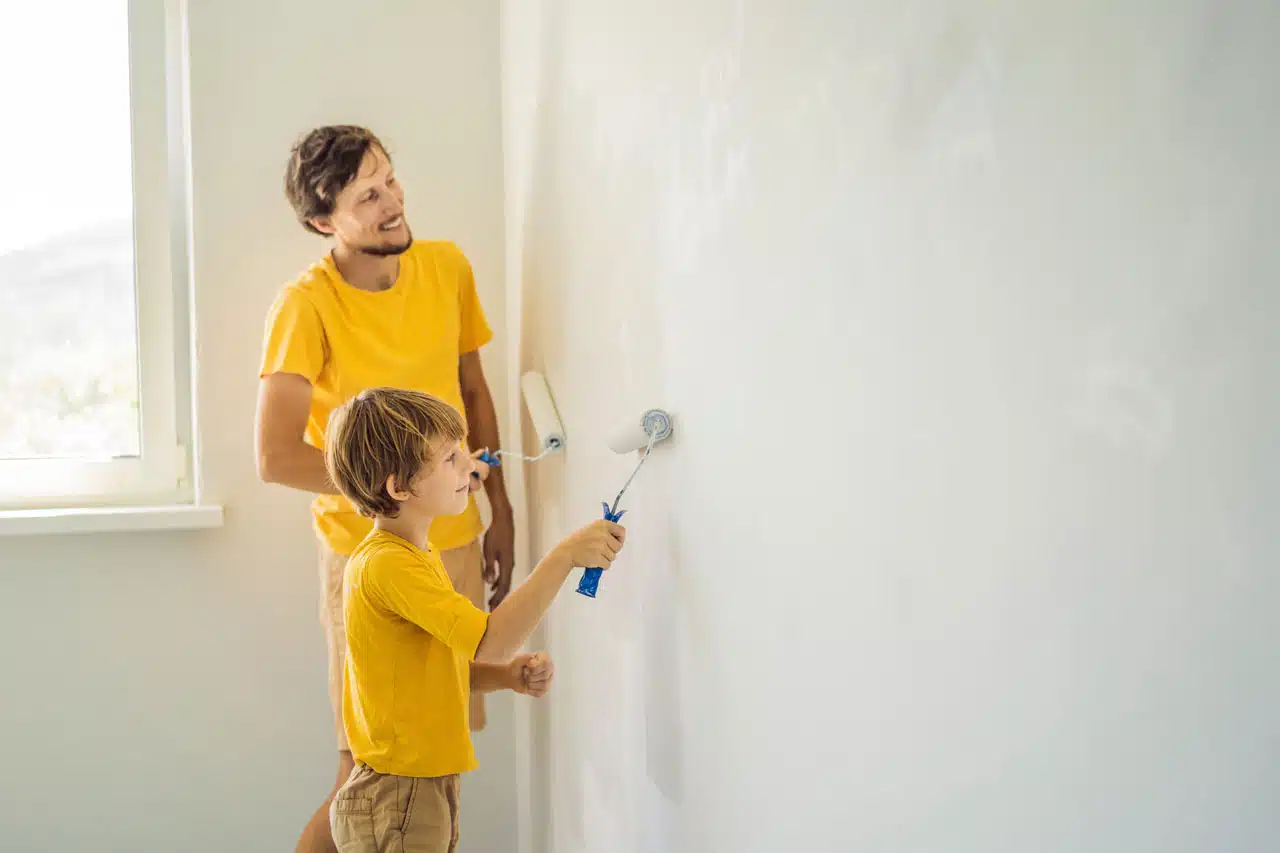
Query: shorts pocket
column 428, row 821
column 408, row 805
column 351, row 821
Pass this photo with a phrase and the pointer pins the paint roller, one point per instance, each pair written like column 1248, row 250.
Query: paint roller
column 546, row 422
column 652, row 427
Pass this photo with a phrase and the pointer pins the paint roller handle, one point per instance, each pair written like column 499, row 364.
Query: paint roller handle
column 490, row 459
column 591, row 577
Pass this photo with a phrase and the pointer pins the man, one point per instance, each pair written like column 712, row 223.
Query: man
column 381, row 309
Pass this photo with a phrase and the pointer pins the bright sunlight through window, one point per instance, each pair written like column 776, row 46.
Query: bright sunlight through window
column 87, row 269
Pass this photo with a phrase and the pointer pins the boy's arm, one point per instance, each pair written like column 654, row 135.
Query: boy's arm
column 427, row 599
column 514, row 619
column 529, row 674
column 491, row 677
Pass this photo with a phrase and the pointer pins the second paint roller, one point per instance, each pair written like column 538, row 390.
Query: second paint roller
column 546, row 421
column 634, row 434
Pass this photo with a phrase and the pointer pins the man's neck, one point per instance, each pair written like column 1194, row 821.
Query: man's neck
column 364, row 271
column 412, row 530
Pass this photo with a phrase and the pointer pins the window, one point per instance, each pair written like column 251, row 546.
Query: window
column 93, row 254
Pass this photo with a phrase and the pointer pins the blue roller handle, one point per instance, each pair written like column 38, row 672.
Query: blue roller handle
column 591, row 577
column 490, row 459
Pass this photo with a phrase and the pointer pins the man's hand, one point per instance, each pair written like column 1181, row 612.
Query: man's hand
column 531, row 674
column 482, row 470
column 499, row 554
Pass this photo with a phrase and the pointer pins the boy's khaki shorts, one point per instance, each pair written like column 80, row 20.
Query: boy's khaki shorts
column 373, row 812
column 465, row 566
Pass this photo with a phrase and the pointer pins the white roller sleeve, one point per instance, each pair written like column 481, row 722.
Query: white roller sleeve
column 628, row 436
column 542, row 411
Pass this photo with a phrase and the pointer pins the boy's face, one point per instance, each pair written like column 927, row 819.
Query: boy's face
column 440, row 488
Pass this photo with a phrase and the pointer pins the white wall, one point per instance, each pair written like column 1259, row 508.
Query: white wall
column 166, row 691
column 968, row 314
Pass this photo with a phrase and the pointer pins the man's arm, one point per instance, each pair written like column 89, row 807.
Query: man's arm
column 482, row 420
column 482, row 427
column 284, row 404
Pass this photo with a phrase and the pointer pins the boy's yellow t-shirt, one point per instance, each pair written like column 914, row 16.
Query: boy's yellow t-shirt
column 410, row 641
column 343, row 340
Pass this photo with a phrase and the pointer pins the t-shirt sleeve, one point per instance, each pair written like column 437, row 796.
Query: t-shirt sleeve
column 294, row 339
column 419, row 591
column 473, row 328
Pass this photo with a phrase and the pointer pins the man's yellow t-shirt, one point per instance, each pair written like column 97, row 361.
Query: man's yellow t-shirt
column 410, row 641
column 343, row 340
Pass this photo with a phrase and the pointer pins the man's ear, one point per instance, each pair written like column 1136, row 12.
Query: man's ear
column 323, row 224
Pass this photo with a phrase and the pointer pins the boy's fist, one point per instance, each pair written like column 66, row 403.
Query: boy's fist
column 595, row 546
column 531, row 674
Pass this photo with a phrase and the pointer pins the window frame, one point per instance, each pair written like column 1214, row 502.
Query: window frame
column 160, row 152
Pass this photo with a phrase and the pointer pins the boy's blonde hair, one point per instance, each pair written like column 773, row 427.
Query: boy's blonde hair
column 385, row 432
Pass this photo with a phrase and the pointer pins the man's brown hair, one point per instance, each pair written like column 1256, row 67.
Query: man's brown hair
column 381, row 433
column 321, row 164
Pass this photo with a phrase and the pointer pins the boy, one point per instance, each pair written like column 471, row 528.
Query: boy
column 415, row 647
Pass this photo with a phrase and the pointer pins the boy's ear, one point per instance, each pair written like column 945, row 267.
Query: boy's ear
column 393, row 489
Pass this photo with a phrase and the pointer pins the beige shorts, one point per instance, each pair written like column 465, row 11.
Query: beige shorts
column 465, row 566
column 374, row 813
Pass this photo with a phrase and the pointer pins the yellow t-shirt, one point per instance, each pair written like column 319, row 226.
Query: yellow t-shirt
column 344, row 340
column 410, row 640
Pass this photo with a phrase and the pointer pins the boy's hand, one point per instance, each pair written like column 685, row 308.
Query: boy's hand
column 595, row 546
column 531, row 674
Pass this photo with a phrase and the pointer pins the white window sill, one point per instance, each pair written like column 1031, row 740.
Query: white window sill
column 35, row 522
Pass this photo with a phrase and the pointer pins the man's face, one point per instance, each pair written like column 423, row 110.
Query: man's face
column 368, row 215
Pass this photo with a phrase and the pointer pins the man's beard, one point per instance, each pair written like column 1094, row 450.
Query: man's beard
column 386, row 250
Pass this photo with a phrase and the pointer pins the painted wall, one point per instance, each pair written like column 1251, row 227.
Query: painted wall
column 167, row 692
column 968, row 314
